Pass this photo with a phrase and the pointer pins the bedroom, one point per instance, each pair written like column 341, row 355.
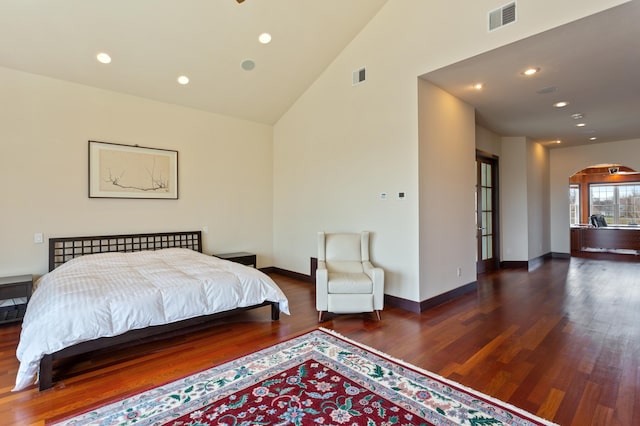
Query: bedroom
column 260, row 187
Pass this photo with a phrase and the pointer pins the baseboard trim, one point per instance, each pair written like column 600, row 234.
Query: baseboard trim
column 290, row 274
column 529, row 265
column 397, row 302
column 514, row 264
column 448, row 296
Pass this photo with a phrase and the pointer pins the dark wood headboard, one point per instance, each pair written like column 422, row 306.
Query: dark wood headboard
column 64, row 249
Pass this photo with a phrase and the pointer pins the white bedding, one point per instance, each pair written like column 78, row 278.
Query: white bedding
column 108, row 294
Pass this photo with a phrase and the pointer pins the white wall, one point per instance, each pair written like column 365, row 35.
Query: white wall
column 538, row 221
column 488, row 141
column 564, row 162
column 447, row 191
column 524, row 200
column 339, row 146
column 225, row 170
column 514, row 214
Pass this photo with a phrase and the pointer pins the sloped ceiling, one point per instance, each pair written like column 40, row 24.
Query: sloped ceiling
column 152, row 42
column 593, row 63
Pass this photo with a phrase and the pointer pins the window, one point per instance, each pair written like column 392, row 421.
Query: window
column 619, row 203
column 574, row 204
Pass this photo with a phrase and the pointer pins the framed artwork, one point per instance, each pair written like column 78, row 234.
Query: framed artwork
column 131, row 171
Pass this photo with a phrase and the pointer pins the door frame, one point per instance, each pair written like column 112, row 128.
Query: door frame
column 494, row 262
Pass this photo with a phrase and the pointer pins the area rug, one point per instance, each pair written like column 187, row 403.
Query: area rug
column 319, row 378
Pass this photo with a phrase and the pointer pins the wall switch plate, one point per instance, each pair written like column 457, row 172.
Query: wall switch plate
column 383, row 195
column 38, row 238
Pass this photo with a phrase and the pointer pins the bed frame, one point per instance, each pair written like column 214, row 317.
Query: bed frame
column 62, row 250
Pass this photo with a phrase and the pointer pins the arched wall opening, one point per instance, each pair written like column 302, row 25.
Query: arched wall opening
column 608, row 190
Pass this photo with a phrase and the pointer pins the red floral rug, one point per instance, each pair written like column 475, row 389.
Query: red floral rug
column 319, row 378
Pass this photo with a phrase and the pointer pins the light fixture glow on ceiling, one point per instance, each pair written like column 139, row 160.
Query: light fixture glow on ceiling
column 561, row 104
column 478, row 86
column 530, row 71
column 103, row 58
column 264, row 38
column 593, row 138
column 581, row 124
column 183, row 79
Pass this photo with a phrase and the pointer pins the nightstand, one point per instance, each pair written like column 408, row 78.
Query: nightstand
column 15, row 293
column 242, row 257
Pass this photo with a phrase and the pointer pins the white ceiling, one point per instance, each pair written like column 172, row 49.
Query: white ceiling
column 152, row 42
column 593, row 63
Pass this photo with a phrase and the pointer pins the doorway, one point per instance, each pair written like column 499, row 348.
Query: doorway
column 487, row 253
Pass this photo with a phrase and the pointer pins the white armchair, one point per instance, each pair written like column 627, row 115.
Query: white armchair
column 346, row 281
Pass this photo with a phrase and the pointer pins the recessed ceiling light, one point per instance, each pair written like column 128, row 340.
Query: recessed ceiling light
column 264, row 38
column 248, row 64
column 593, row 138
column 581, row 124
column 478, row 86
column 561, row 104
column 558, row 141
column 183, row 79
column 103, row 58
column 577, row 116
column 530, row 71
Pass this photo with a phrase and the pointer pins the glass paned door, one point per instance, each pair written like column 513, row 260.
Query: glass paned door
column 486, row 213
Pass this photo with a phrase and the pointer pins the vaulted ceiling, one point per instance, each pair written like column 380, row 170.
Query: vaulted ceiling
column 592, row 63
column 153, row 42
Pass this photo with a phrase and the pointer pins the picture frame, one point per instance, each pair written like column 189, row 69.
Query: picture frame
column 132, row 171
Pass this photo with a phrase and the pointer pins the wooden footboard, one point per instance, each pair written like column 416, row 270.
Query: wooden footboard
column 62, row 250
column 135, row 337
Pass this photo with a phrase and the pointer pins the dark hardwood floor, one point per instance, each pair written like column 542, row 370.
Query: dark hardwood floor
column 562, row 342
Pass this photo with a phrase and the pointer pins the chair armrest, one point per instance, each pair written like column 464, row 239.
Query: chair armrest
column 322, row 286
column 322, row 265
column 376, row 274
column 377, row 277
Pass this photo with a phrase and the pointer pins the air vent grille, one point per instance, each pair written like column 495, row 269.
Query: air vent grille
column 502, row 16
column 359, row 76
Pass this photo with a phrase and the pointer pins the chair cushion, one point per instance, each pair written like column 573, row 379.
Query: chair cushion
column 346, row 282
column 349, row 303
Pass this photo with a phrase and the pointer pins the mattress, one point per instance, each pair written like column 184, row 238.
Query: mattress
column 108, row 294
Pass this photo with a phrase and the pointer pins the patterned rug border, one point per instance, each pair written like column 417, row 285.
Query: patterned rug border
column 64, row 419
column 448, row 382
column 109, row 407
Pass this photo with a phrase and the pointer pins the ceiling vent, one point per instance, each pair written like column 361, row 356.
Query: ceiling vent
column 359, row 76
column 502, row 16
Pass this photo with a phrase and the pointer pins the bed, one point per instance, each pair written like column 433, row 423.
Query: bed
column 113, row 290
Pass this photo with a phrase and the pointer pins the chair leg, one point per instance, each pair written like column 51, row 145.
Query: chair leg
column 319, row 316
column 378, row 314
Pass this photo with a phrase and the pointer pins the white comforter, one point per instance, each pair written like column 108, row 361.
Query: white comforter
column 108, row 294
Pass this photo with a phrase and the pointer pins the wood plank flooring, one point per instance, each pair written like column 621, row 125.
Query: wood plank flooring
column 562, row 342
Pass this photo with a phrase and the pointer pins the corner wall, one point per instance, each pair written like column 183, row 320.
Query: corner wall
column 339, row 146
column 447, row 188
column 538, row 223
column 514, row 212
column 224, row 165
